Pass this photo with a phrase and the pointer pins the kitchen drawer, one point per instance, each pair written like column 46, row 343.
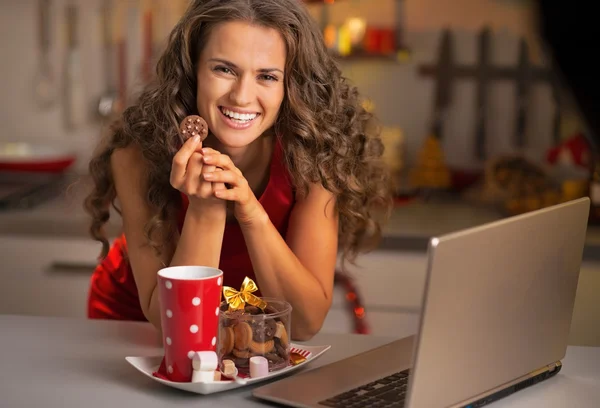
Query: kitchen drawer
column 46, row 277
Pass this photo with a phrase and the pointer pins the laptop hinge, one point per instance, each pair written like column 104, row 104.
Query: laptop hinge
column 554, row 366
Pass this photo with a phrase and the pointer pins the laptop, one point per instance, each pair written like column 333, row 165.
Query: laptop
column 496, row 316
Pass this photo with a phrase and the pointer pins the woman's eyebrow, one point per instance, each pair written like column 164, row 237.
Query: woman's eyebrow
column 232, row 65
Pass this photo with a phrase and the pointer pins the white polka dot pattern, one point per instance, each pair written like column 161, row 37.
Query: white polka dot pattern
column 196, row 301
column 170, row 369
column 217, row 311
column 169, row 313
column 169, row 342
column 168, row 284
column 214, row 341
column 194, row 328
column 219, row 281
column 191, row 354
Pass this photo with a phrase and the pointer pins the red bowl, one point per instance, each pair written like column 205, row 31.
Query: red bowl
column 29, row 157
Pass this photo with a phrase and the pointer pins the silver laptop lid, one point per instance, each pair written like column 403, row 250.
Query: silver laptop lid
column 498, row 303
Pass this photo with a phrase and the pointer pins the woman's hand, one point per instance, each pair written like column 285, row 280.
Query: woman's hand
column 187, row 171
column 247, row 208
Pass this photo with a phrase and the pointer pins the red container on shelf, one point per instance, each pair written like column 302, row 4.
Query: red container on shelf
column 387, row 44
column 30, row 157
column 372, row 40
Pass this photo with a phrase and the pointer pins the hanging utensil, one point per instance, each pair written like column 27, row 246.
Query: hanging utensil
column 130, row 52
column 74, row 93
column 106, row 104
column 120, row 45
column 45, row 81
column 522, row 95
column 481, row 100
column 557, row 120
column 443, row 84
column 147, row 41
column 431, row 171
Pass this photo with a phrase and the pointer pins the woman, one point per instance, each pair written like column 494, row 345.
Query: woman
column 289, row 174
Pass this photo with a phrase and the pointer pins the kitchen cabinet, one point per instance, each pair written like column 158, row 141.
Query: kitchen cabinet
column 50, row 277
column 585, row 326
column 390, row 284
column 46, row 276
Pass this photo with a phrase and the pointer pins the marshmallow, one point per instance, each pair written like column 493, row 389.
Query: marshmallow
column 205, row 361
column 205, row 376
column 259, row 366
column 229, row 369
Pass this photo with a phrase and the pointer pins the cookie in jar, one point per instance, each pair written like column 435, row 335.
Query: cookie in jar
column 258, row 327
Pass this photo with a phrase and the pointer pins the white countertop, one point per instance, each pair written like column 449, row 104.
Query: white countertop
column 59, row 362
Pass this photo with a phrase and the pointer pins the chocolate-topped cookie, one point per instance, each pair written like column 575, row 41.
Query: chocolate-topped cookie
column 253, row 310
column 193, row 125
column 264, row 330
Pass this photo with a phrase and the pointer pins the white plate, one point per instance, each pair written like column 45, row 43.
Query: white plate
column 149, row 365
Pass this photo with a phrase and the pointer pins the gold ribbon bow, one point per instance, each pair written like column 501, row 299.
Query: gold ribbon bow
column 236, row 300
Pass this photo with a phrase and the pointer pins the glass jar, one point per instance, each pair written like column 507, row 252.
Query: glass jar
column 253, row 332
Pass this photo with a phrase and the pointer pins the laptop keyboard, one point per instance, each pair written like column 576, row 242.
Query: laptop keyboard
column 387, row 392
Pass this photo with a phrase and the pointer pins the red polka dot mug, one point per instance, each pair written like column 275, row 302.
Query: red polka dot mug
column 189, row 305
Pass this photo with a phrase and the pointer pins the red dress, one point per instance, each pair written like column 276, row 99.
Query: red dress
column 113, row 292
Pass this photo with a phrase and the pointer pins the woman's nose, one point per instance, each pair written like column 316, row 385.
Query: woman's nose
column 243, row 91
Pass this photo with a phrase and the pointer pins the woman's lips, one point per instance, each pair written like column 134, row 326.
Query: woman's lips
column 244, row 122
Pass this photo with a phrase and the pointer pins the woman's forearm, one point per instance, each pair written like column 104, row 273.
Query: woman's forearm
column 281, row 275
column 201, row 239
column 199, row 244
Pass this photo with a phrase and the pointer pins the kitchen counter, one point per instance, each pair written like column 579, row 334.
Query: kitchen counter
column 63, row 216
column 409, row 227
column 82, row 363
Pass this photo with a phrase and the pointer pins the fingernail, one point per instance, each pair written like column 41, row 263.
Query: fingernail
column 205, row 150
column 196, row 138
column 208, row 176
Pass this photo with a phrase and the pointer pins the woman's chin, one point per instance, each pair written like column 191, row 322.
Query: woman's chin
column 236, row 140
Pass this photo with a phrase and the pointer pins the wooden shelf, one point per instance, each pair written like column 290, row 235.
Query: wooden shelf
column 400, row 56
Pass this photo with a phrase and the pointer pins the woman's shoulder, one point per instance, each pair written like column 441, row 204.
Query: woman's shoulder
column 128, row 167
column 128, row 159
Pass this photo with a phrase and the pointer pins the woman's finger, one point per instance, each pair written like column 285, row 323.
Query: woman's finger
column 180, row 161
column 208, row 150
column 218, row 186
column 225, row 176
column 227, row 194
column 192, row 178
column 207, row 168
column 219, row 160
column 206, row 187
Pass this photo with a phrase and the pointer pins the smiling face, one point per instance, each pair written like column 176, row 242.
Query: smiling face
column 240, row 81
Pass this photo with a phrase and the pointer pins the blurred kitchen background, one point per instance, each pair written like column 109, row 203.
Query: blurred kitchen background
column 475, row 127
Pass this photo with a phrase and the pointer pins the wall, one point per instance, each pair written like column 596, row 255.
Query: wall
column 21, row 118
column 401, row 96
column 515, row 16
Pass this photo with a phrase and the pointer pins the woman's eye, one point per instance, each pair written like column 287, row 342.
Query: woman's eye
column 267, row 77
column 224, row 70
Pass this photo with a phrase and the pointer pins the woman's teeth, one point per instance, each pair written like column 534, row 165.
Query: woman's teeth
column 239, row 117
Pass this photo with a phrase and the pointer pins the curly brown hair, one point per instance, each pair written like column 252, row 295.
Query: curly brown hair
column 326, row 134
